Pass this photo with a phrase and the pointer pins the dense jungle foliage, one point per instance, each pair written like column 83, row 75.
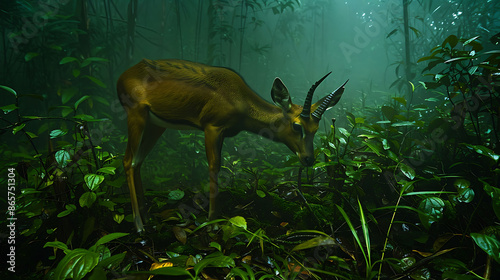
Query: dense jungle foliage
column 406, row 179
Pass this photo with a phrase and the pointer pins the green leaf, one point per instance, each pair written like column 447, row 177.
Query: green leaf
column 465, row 193
column 107, row 170
column 96, row 81
column 494, row 193
column 372, row 147
column 458, row 59
column 352, row 228
column 18, row 128
column 76, row 264
column 66, row 111
column 401, row 100
column 261, row 194
column 112, row 261
column 433, row 207
column 404, row 123
column 416, row 31
column 388, row 112
column 58, row 245
column 452, row 40
column 352, row 119
column 489, row 244
column 87, row 199
column 167, row 271
column 473, row 70
column 470, row 40
column 62, row 158
column 239, row 222
column 31, row 135
column 85, row 117
column 482, row 150
column 412, row 86
column 215, row 245
column 57, row 133
column 360, row 120
column 107, row 238
column 87, row 61
column 219, row 261
column 392, row 33
column 315, row 242
column 344, row 132
column 176, row 194
column 457, row 276
column 68, row 59
column 70, row 208
column 385, row 144
column 29, row 56
column 76, row 72
column 93, row 180
column 67, row 94
column 83, row 98
column 9, row 108
column 407, row 171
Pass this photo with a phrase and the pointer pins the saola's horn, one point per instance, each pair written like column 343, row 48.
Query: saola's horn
column 307, row 103
column 329, row 101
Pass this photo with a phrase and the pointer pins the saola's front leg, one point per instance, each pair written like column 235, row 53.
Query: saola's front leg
column 213, row 147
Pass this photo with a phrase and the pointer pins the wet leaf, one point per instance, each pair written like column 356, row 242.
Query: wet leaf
column 18, row 128
column 239, row 222
column 69, row 209
column 107, row 170
column 57, row 133
column 168, row 271
column 218, row 261
column 87, row 199
column 93, row 180
column 216, row 246
column 261, row 193
column 118, row 218
column 389, row 112
column 494, row 193
column 407, row 171
column 452, row 40
column 373, row 147
column 29, row 56
column 405, row 123
column 344, row 132
column 68, row 59
column 482, row 150
column 392, row 33
column 489, row 244
column 79, row 101
column 401, row 100
column 176, row 195
column 9, row 108
column 96, row 81
column 108, row 238
column 76, row 264
column 62, row 157
column 9, row 90
column 433, row 207
column 315, row 242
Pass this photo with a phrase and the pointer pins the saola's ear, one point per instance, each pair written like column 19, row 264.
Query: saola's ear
column 280, row 95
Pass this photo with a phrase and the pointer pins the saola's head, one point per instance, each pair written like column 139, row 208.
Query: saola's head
column 302, row 122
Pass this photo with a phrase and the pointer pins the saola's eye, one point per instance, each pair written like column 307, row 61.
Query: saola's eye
column 298, row 127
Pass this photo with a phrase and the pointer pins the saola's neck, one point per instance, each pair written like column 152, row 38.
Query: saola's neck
column 265, row 119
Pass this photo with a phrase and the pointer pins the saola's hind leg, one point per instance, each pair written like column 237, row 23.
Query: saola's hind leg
column 142, row 135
